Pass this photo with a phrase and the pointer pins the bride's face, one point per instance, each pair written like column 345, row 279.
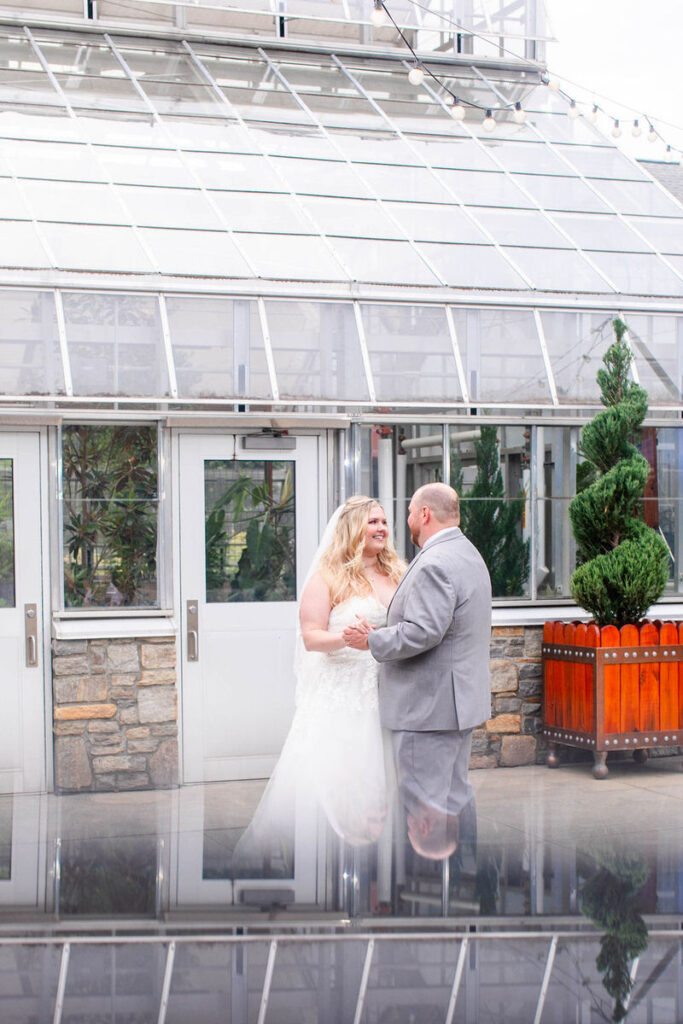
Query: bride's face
column 376, row 532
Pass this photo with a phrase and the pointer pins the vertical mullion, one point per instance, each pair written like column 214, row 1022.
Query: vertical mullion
column 546, row 357
column 364, row 982
column 456, row 354
column 166, row 987
column 61, row 984
column 450, row 1013
column 270, row 362
column 360, row 326
column 168, row 349
column 63, row 347
column 534, row 470
column 546, row 980
column 267, row 981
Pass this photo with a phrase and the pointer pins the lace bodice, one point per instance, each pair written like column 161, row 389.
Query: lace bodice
column 344, row 614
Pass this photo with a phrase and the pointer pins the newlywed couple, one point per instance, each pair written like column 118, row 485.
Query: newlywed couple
column 381, row 645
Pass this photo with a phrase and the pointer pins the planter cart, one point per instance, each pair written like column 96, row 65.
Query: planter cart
column 612, row 689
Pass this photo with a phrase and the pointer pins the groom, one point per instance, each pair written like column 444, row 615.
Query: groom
column 434, row 650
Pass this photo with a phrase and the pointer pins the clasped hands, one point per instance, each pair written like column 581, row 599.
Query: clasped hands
column 357, row 636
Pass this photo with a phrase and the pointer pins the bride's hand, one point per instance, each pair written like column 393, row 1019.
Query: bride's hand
column 357, row 636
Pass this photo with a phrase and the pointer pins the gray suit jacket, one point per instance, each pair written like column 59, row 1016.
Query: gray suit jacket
column 434, row 650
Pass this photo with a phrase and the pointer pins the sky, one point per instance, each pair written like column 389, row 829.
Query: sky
column 627, row 51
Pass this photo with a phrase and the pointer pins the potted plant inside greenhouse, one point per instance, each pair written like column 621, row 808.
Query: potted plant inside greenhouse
column 613, row 683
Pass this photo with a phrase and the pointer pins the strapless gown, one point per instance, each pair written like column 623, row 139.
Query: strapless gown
column 333, row 755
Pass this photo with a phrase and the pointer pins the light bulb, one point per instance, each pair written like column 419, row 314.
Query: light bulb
column 652, row 135
column 416, row 75
column 636, row 131
column 592, row 115
column 518, row 114
column 573, row 111
column 488, row 124
column 378, row 16
column 616, row 130
column 554, row 85
column 457, row 111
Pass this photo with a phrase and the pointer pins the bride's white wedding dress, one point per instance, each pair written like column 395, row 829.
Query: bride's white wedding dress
column 333, row 752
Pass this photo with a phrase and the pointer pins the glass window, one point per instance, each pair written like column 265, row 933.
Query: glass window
column 558, row 476
column 576, row 344
column 12, row 203
column 502, row 356
column 7, row 587
column 411, row 353
column 316, row 350
column 375, row 148
column 30, row 357
column 663, row 447
column 451, row 150
column 110, row 515
column 217, row 347
column 657, row 344
column 115, row 344
column 250, row 535
column 490, row 471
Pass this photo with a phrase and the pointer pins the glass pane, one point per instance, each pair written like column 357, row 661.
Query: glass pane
column 383, row 262
column 63, row 161
column 201, row 984
column 70, row 201
column 555, row 193
column 94, row 247
column 6, row 810
column 271, row 213
column 167, row 207
column 20, row 246
column 477, row 189
column 490, row 472
column 352, row 217
column 115, row 344
column 153, row 166
column 292, row 257
column 30, row 357
column 595, row 231
column 318, row 982
column 558, row 269
column 217, row 348
column 664, row 507
column 421, row 976
column 602, row 162
column 639, row 273
column 110, row 512
column 436, row 222
column 28, row 981
column 13, row 205
column 321, row 178
column 316, row 350
column 666, row 235
column 452, row 151
column 114, row 982
column 249, row 531
column 195, row 253
column 7, row 594
column 411, row 353
column 502, row 355
column 576, row 344
column 238, row 171
column 116, row 875
column 474, row 266
column 510, row 227
column 532, row 157
column 405, row 183
column 657, row 344
column 559, row 473
column 640, row 197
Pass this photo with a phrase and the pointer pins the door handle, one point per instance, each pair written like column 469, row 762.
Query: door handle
column 193, row 631
column 31, row 634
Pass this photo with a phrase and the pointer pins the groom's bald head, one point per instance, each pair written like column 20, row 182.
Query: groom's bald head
column 442, row 500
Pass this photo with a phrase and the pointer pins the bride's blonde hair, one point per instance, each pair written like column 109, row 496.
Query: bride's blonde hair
column 341, row 564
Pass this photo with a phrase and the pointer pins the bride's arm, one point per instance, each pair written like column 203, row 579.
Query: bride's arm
column 314, row 615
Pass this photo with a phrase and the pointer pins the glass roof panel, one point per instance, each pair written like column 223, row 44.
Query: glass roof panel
column 557, row 127
column 665, row 234
column 598, row 231
column 252, row 89
column 89, row 74
column 143, row 167
column 484, row 189
column 453, row 150
column 411, row 353
column 472, row 266
column 316, row 350
column 239, row 171
column 217, row 347
column 640, row 197
column 21, row 73
column 95, row 247
column 516, row 227
column 168, row 207
column 501, row 354
column 437, row 222
column 73, row 202
column 126, row 129
column 294, row 257
column 657, row 344
column 115, row 344
column 531, row 157
column 12, row 203
column 20, row 245
column 20, row 122
column 560, row 270
column 353, row 217
column 272, row 213
column 302, row 141
column 404, row 182
column 30, row 357
column 383, row 262
column 321, row 177
column 576, row 343
column 63, row 161
column 602, row 162
column 196, row 253
column 639, row 273
column 554, row 193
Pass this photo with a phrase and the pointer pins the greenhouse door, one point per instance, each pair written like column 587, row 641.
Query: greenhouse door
column 249, row 518
column 22, row 722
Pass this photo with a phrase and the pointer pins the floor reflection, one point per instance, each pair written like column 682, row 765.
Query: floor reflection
column 544, row 897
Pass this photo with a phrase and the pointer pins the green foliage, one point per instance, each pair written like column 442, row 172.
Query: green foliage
column 609, row 899
column 110, row 515
column 492, row 523
column 6, row 536
column 624, row 562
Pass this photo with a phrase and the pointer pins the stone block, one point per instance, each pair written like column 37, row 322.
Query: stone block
column 157, row 704
column 79, row 689
column 140, row 732
column 103, row 726
column 98, row 660
column 68, row 728
column 105, row 782
column 531, row 687
column 531, row 724
column 102, row 748
column 507, row 705
column 71, row 665
column 484, row 761
column 164, row 729
column 119, row 763
column 62, row 647
column 533, row 639
column 507, row 631
column 157, row 677
column 480, row 744
column 517, row 750
column 126, row 679
column 504, row 676
column 133, row 780
column 142, row 746
column 163, row 765
column 72, row 765
column 157, row 655
column 123, row 658
column 129, row 716
column 78, row 711
column 503, row 723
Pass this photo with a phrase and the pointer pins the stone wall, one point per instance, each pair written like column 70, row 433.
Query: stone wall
column 509, row 738
column 115, row 714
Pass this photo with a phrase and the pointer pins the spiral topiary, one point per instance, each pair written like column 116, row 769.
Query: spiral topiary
column 625, row 562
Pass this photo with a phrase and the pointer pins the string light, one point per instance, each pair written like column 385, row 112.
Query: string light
column 616, row 130
column 518, row 114
column 592, row 115
column 416, row 75
column 573, row 111
column 378, row 16
column 636, row 131
column 489, row 124
column 457, row 111
column 652, row 135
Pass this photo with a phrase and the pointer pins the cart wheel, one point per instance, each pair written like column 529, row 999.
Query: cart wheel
column 640, row 756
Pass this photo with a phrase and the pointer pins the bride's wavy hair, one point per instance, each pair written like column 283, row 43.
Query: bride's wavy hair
column 342, row 562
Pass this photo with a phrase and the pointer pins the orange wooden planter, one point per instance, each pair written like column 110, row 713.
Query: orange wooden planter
column 609, row 689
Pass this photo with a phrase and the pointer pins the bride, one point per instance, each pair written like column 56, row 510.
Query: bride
column 334, row 749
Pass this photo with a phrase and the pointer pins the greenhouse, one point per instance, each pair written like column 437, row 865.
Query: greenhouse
column 248, row 268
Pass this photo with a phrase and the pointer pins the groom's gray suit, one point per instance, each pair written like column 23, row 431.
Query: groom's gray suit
column 434, row 650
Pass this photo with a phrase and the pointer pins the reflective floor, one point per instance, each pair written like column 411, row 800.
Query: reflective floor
column 549, row 897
